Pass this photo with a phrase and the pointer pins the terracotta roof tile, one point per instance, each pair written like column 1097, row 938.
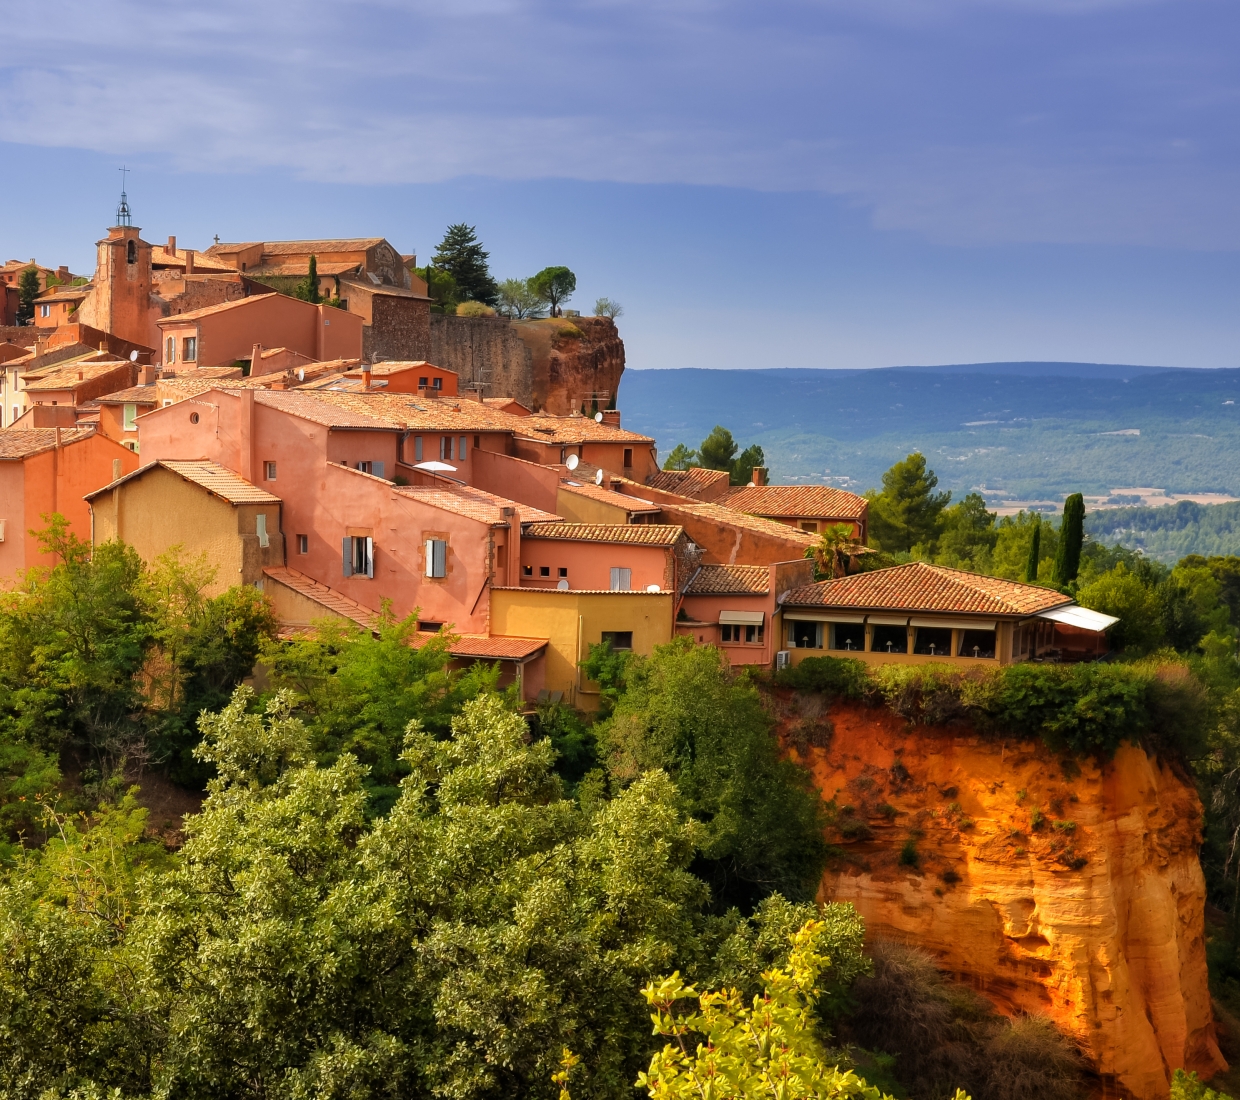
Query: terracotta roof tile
column 492, row 647
column 66, row 377
column 327, row 598
column 134, row 395
column 302, row 267
column 919, row 586
column 573, row 429
column 18, row 443
column 207, row 311
column 465, row 500
column 319, row 248
column 818, row 501
column 392, row 411
column 216, row 479
column 730, row 580
column 606, row 496
column 730, row 517
column 689, row 483
column 632, row 534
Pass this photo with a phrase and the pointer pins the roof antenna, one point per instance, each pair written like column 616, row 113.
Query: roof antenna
column 122, row 211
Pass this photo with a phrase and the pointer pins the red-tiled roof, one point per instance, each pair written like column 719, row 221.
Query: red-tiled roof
column 18, row 443
column 729, row 517
column 688, row 483
column 134, row 395
column 216, row 479
column 631, row 534
column 66, row 377
column 545, row 428
column 606, row 496
column 919, row 586
column 811, row 501
column 487, row 647
column 465, row 500
column 327, row 598
column 730, row 580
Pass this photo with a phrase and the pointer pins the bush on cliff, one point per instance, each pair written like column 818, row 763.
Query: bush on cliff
column 1084, row 708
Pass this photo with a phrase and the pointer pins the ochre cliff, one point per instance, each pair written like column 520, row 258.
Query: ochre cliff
column 568, row 371
column 1066, row 888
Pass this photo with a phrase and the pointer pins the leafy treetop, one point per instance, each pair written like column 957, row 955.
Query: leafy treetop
column 462, row 256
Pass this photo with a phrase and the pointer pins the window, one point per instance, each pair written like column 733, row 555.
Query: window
column 417, row 448
column 445, row 448
column 429, row 627
column 890, row 639
column 809, row 525
column 436, row 557
column 189, row 349
column 269, row 471
column 619, row 639
column 753, row 634
column 849, row 637
column 129, row 417
column 131, row 253
column 977, row 643
column 422, row 383
column 621, row 579
column 303, row 544
column 805, row 635
column 358, row 553
column 628, row 457
column 729, row 633
column 45, row 311
column 460, row 449
column 193, row 418
column 260, row 529
column 933, row 641
column 749, row 633
column 364, row 467
column 17, row 411
column 170, row 355
column 527, row 570
column 436, row 383
column 477, row 442
column 563, row 570
column 544, row 570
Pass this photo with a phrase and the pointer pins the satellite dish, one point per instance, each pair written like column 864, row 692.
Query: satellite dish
column 653, row 588
column 572, row 462
column 598, row 418
column 133, row 356
column 301, row 375
column 563, row 584
column 598, row 478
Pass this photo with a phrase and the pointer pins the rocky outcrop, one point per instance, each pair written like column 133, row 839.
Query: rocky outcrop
column 571, row 370
column 1070, row 888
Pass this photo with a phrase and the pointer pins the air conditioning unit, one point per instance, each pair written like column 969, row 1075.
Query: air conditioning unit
column 783, row 659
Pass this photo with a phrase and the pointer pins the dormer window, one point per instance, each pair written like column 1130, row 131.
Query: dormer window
column 131, row 253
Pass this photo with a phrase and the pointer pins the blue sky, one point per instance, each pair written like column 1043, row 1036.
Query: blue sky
column 824, row 183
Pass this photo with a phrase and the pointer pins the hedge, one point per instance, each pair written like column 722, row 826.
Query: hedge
column 1081, row 708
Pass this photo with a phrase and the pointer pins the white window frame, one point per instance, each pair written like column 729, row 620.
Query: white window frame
column 260, row 529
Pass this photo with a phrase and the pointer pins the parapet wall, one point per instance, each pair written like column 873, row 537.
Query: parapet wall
column 484, row 350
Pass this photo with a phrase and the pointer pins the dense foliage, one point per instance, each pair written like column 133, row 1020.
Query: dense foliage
column 718, row 451
column 1171, row 531
column 461, row 256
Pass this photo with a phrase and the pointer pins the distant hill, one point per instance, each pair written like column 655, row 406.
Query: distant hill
column 1172, row 531
column 1022, row 430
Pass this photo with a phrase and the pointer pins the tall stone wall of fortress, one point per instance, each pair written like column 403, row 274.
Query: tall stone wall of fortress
column 484, row 350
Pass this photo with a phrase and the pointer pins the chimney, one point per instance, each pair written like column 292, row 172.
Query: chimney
column 146, row 376
column 189, row 261
column 58, row 444
column 256, row 361
column 759, row 475
column 366, row 377
column 62, row 274
column 247, row 435
column 172, row 245
column 81, row 376
column 612, row 417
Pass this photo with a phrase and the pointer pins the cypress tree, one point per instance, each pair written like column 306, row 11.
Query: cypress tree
column 1071, row 538
column 27, row 291
column 1035, row 546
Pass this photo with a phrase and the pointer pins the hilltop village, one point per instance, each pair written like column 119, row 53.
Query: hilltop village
column 317, row 451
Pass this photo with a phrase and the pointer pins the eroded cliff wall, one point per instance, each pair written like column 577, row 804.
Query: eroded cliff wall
column 1070, row 888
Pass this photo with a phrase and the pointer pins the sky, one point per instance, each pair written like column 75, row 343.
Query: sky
column 823, row 183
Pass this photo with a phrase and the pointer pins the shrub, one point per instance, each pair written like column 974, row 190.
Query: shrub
column 832, row 676
column 1185, row 1086
column 1028, row 1058
column 908, row 854
column 474, row 309
column 569, row 332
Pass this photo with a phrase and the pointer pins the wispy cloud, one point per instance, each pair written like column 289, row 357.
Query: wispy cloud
column 962, row 120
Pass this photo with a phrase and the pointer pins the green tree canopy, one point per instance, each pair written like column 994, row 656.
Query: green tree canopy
column 680, row 458
column 462, row 256
column 28, row 290
column 718, row 450
column 908, row 512
column 517, row 298
column 742, row 468
column 555, row 285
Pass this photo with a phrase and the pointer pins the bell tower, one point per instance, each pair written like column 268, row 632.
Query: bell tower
column 122, row 296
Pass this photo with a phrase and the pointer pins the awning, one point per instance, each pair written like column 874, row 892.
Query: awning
column 793, row 615
column 959, row 624
column 742, row 618
column 889, row 620
column 1080, row 617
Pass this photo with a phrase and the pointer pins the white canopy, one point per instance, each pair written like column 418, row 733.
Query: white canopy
column 749, row 618
column 1080, row 617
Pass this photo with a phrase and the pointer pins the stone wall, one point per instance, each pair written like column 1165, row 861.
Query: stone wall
column 399, row 329
column 484, row 350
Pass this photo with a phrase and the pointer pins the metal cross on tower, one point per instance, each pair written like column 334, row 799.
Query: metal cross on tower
column 122, row 210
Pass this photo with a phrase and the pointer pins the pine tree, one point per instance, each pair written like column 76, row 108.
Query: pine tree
column 1035, row 546
column 27, row 291
column 462, row 257
column 1071, row 537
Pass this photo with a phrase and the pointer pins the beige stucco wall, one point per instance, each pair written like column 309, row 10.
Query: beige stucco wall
column 160, row 509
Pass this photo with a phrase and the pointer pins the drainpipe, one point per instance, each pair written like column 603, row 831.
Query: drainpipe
column 247, row 435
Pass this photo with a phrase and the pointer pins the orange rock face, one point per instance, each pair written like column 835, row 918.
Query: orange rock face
column 1073, row 891
column 570, row 371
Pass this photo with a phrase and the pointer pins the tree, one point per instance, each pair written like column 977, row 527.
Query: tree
column 770, row 1049
column 605, row 307
column 518, row 299
column 1122, row 593
column 836, row 547
column 908, row 512
column 463, row 257
column 742, row 468
column 1035, row 545
column 441, row 287
column 555, row 285
column 1071, row 538
column 683, row 711
column 308, row 289
column 968, row 535
column 718, row 449
column 680, row 458
column 27, row 291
